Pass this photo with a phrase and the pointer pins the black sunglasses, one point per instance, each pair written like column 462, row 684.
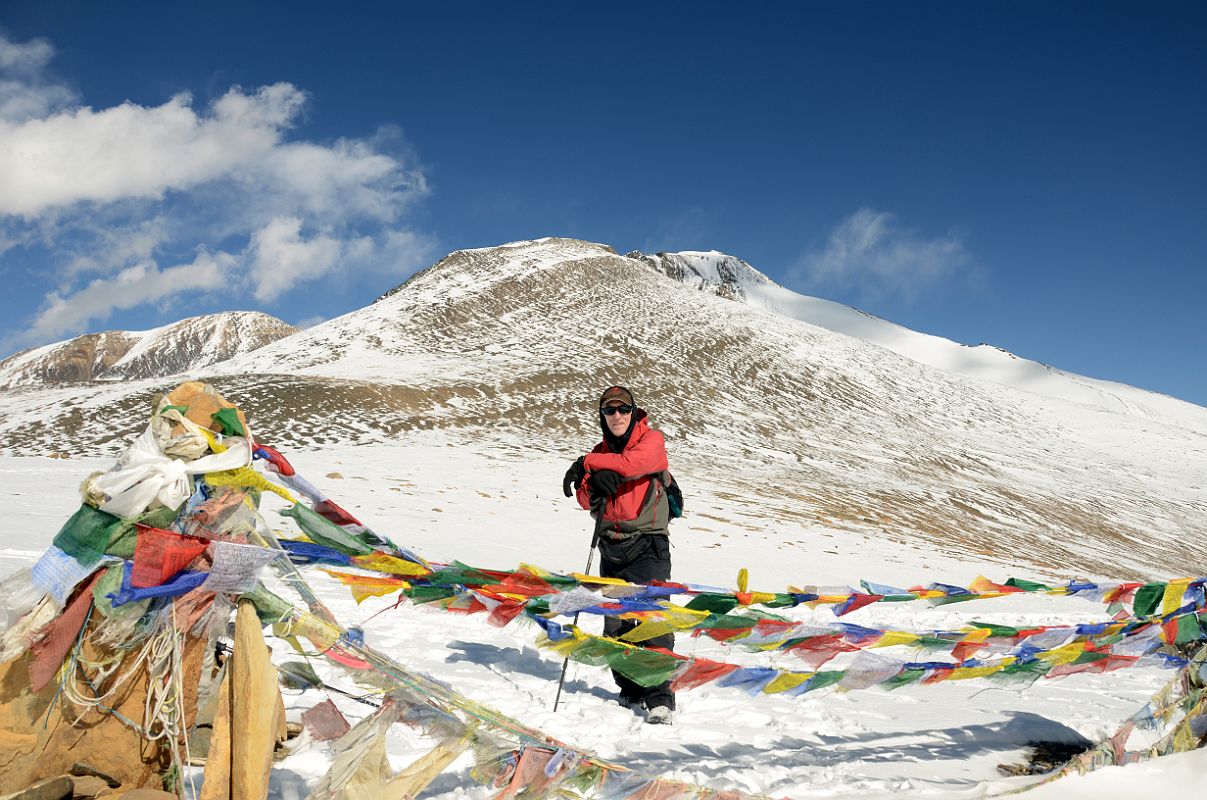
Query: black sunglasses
column 608, row 411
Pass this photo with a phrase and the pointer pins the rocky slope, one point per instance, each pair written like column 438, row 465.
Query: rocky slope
column 186, row 346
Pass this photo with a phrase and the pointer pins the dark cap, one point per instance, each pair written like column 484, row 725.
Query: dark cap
column 616, row 393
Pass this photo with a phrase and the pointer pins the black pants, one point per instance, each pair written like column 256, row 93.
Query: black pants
column 639, row 560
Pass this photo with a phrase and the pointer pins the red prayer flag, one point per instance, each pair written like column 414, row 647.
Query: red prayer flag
column 57, row 638
column 505, row 612
column 325, row 722
column 160, row 555
column 855, row 602
column 963, row 650
column 335, row 513
column 700, row 671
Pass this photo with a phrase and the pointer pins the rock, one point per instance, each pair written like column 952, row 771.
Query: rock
column 85, row 787
column 335, row 476
column 141, row 793
column 80, row 769
column 57, row 788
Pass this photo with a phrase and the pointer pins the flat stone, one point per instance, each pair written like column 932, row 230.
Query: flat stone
column 141, row 793
column 56, row 788
column 88, row 786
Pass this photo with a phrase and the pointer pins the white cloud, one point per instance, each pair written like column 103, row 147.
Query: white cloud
column 24, row 91
column 871, row 254
column 119, row 246
column 132, row 287
column 97, row 196
column 131, row 151
column 277, row 259
column 280, row 258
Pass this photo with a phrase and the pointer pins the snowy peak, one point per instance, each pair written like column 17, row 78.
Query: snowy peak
column 714, row 272
column 478, row 269
column 185, row 346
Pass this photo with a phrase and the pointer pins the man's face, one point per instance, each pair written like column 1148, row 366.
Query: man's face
column 617, row 416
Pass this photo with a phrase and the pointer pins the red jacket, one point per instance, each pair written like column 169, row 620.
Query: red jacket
column 640, row 504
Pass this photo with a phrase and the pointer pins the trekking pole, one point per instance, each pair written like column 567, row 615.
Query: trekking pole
column 598, row 508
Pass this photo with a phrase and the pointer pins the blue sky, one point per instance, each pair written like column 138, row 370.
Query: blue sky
column 1031, row 175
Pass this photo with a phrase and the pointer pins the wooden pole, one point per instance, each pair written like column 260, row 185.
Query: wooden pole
column 255, row 703
column 250, row 719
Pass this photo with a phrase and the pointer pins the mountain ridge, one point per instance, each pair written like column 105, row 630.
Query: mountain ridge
column 783, row 419
column 183, row 346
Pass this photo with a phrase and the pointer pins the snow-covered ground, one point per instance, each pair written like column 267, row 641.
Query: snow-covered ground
column 491, row 505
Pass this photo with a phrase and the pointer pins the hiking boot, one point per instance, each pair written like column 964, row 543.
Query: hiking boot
column 628, row 702
column 658, row 715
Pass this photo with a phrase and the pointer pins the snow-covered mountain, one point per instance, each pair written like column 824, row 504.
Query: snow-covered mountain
column 796, row 409
column 727, row 276
column 185, row 346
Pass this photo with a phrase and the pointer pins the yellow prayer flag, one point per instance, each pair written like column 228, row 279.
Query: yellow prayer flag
column 743, row 578
column 1174, row 590
column 647, row 630
column 360, row 593
column 684, row 617
column 322, row 634
column 964, row 673
column 564, row 647
column 247, row 478
column 382, row 562
column 1065, row 654
column 891, row 638
column 977, row 635
column 787, row 680
column 535, row 570
column 596, row 579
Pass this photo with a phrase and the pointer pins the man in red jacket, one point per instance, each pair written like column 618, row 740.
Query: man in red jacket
column 626, row 473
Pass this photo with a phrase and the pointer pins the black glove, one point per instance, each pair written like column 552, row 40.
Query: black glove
column 604, row 483
column 574, row 477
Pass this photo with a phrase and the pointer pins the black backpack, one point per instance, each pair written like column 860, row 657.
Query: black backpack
column 674, row 495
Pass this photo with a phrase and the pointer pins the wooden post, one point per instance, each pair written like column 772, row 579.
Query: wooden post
column 249, row 720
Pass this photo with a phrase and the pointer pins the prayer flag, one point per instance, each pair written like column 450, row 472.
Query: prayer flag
column 161, row 555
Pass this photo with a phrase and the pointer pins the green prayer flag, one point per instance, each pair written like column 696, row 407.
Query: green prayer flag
column 1027, row 586
column 934, row 643
column 429, row 594
column 85, row 536
column 644, row 667
column 1020, row 673
column 716, row 603
column 996, row 630
column 821, row 680
column 1148, row 597
column 903, row 678
column 323, row 531
column 458, row 574
column 1188, row 630
column 228, row 420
